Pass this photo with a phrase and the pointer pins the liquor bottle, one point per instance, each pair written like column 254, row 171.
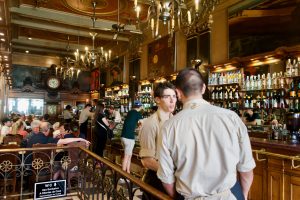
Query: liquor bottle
column 291, row 105
column 259, row 82
column 274, row 80
column 263, row 102
column 292, row 90
column 288, row 68
column 267, row 100
column 296, row 105
column 282, row 99
column 251, row 101
column 257, row 101
column 225, row 93
column 236, row 92
column 269, row 81
column 230, row 92
column 274, row 100
column 221, row 96
column 246, row 102
column 281, row 80
column 251, row 82
column 298, row 90
column 263, row 82
column 271, row 100
column 247, row 83
column 213, row 93
column 216, row 93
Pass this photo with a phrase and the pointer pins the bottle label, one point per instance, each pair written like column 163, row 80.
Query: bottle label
column 292, row 93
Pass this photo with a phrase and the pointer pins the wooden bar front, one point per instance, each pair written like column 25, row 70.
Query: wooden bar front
column 274, row 177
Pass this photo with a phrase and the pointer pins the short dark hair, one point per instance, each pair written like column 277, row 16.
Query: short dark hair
column 160, row 87
column 68, row 107
column 88, row 105
column 189, row 81
column 46, row 117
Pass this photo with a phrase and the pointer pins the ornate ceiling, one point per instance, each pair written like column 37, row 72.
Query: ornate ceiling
column 43, row 26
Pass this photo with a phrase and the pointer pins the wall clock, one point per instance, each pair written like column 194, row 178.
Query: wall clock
column 53, row 82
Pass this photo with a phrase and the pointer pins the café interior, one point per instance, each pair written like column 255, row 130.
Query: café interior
column 55, row 53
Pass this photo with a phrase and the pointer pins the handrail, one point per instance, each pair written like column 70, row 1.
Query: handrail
column 133, row 179
column 264, row 152
column 109, row 189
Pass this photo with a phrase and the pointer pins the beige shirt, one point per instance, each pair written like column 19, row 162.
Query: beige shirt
column 202, row 148
column 149, row 133
column 116, row 114
column 84, row 115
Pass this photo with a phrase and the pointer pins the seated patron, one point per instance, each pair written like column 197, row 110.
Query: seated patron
column 42, row 137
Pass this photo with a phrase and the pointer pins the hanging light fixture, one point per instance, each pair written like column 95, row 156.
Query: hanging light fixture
column 85, row 60
column 188, row 16
column 96, row 57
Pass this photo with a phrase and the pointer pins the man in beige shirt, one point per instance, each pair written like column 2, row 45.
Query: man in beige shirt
column 203, row 148
column 165, row 98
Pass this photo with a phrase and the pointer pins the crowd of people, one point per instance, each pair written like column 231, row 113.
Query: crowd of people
column 203, row 151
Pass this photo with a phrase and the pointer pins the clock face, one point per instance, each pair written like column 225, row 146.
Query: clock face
column 53, row 83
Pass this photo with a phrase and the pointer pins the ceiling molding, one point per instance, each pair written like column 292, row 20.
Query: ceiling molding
column 69, row 31
column 64, row 18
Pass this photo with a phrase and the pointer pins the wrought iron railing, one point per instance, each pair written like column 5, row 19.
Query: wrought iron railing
column 88, row 175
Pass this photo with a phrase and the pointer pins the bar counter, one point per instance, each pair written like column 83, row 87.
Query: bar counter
column 285, row 147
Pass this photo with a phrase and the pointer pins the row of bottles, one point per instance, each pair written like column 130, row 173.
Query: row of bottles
column 225, row 78
column 261, row 82
column 225, row 93
column 267, row 100
column 124, row 100
column 145, row 99
column 292, row 67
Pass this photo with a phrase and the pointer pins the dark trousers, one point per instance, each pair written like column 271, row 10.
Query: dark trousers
column 99, row 141
column 236, row 190
column 83, row 129
column 151, row 178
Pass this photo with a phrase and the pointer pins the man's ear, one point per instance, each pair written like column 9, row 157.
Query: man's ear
column 179, row 93
column 203, row 89
column 157, row 100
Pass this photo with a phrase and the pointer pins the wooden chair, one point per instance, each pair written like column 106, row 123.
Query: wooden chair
column 13, row 139
column 8, row 162
column 75, row 156
column 41, row 164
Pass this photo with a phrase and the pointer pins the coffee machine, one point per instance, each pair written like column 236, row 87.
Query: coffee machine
column 293, row 125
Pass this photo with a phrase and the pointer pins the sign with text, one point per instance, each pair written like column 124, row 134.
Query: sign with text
column 49, row 189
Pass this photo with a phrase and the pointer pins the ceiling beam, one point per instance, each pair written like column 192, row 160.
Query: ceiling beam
column 64, row 18
column 45, row 43
column 69, row 31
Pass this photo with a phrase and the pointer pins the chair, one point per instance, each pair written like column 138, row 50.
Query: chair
column 41, row 163
column 74, row 155
column 13, row 139
column 8, row 162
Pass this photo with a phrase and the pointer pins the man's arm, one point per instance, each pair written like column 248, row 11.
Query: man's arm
column 70, row 140
column 246, row 179
column 170, row 189
column 150, row 163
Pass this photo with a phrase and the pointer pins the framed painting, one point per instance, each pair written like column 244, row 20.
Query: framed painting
column 161, row 56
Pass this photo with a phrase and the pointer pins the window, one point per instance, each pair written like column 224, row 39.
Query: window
column 26, row 106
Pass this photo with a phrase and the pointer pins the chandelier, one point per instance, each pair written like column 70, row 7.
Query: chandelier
column 186, row 15
column 87, row 60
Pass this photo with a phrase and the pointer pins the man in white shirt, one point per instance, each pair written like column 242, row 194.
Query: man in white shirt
column 116, row 116
column 67, row 114
column 6, row 128
column 204, row 148
column 83, row 120
column 165, row 98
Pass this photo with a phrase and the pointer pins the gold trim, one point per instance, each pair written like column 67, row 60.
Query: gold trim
column 264, row 152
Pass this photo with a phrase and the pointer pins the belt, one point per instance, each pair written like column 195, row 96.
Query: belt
column 224, row 193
